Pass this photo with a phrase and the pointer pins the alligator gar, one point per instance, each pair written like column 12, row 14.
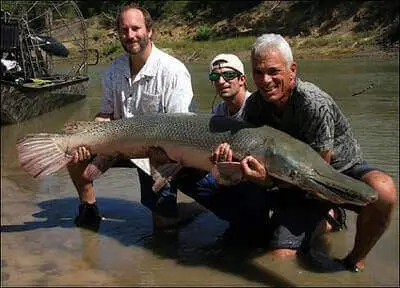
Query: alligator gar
column 188, row 140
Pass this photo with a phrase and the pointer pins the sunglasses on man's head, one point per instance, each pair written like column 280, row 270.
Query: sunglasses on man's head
column 227, row 75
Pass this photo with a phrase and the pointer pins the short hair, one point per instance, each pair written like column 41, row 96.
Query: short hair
column 269, row 42
column 148, row 21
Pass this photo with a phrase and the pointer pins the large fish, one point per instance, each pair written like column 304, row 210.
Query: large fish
column 188, row 139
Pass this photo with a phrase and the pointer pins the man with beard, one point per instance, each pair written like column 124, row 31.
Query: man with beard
column 229, row 80
column 141, row 81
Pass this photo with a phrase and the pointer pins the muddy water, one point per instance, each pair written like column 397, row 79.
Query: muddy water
column 41, row 246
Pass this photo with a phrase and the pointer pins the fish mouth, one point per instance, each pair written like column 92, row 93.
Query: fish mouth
column 354, row 192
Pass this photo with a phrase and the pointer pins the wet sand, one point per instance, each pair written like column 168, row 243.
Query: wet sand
column 42, row 247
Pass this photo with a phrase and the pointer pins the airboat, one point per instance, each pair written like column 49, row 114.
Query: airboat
column 44, row 58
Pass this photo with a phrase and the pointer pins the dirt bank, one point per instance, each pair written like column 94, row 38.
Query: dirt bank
column 195, row 31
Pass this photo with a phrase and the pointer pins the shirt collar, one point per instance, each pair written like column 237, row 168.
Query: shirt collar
column 149, row 68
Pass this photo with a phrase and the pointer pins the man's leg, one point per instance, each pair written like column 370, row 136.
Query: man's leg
column 244, row 205
column 294, row 221
column 88, row 214
column 373, row 219
column 163, row 204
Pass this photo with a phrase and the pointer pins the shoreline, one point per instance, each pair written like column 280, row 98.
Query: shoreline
column 203, row 52
column 298, row 54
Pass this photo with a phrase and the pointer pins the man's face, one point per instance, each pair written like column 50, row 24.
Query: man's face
column 228, row 88
column 272, row 77
column 133, row 33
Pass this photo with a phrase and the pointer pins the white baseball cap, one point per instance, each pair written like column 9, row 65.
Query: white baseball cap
column 227, row 60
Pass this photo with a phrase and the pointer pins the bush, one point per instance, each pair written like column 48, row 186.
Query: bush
column 111, row 48
column 204, row 33
column 97, row 35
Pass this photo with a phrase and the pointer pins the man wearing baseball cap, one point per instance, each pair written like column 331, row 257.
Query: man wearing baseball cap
column 243, row 205
column 229, row 80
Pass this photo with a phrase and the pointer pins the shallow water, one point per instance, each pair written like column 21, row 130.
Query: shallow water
column 41, row 246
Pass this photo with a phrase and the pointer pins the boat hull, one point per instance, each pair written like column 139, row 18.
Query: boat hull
column 23, row 102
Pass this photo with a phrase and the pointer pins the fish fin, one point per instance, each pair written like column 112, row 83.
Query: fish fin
column 98, row 166
column 163, row 174
column 79, row 126
column 227, row 173
column 39, row 154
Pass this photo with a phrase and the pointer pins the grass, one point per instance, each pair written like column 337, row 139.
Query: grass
column 189, row 50
column 332, row 40
column 207, row 49
column 329, row 45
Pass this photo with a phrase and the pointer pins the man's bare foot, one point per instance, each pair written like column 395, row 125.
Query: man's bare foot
column 354, row 267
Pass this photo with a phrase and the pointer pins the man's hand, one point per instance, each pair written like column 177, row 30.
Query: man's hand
column 223, row 153
column 252, row 169
column 256, row 172
column 82, row 154
column 102, row 119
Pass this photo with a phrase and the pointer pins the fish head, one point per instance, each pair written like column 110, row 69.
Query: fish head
column 309, row 172
column 339, row 188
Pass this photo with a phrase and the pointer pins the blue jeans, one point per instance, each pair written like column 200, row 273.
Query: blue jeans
column 164, row 202
column 243, row 204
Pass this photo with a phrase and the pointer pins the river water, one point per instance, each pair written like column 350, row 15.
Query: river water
column 41, row 246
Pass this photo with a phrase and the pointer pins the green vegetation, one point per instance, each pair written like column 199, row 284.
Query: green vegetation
column 204, row 33
column 196, row 30
column 111, row 49
column 199, row 50
column 190, row 50
column 335, row 40
column 175, row 8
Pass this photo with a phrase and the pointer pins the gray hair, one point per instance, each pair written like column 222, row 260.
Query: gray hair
column 269, row 42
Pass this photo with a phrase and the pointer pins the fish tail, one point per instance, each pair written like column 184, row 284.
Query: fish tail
column 41, row 154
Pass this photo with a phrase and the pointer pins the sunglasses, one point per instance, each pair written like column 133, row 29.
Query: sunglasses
column 227, row 75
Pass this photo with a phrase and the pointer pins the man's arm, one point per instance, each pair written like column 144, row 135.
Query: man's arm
column 83, row 154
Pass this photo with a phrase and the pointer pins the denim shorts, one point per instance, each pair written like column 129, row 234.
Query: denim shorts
column 359, row 170
column 295, row 216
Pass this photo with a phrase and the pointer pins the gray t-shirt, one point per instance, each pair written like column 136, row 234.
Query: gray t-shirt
column 313, row 117
column 222, row 109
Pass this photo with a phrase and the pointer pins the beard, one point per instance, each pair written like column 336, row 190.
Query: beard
column 140, row 46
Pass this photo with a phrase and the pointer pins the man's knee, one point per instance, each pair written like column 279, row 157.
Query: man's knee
column 384, row 186
column 284, row 253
